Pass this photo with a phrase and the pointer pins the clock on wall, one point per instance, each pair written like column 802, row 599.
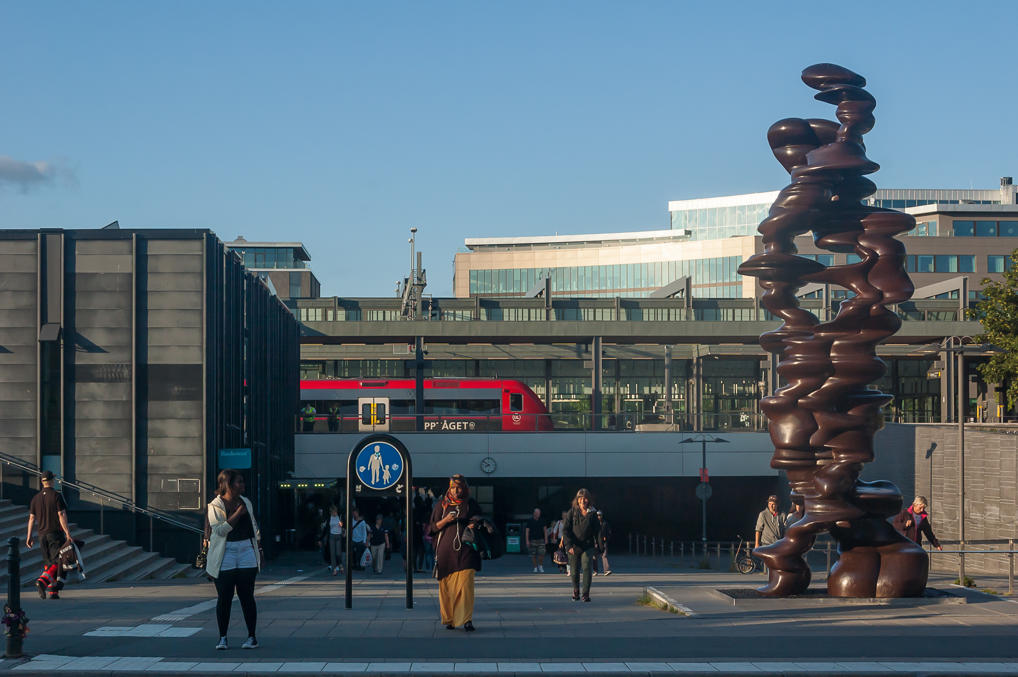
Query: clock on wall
column 488, row 465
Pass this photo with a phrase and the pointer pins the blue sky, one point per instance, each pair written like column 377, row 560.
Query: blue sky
column 342, row 124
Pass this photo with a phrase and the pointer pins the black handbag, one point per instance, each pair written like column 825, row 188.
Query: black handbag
column 483, row 538
column 202, row 559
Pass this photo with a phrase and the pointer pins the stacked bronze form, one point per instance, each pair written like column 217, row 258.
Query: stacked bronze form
column 823, row 421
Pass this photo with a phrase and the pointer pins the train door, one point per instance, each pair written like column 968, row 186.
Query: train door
column 513, row 417
column 374, row 414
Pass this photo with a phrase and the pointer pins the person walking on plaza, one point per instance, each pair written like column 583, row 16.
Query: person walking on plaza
column 359, row 540
column 332, row 538
column 556, row 537
column 914, row 521
column 580, row 531
column 47, row 514
column 234, row 557
column 333, row 420
column 379, row 540
column 602, row 543
column 536, row 535
column 456, row 562
column 770, row 524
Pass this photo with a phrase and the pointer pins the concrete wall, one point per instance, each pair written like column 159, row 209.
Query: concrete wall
column 991, row 489
column 558, row 454
column 19, row 342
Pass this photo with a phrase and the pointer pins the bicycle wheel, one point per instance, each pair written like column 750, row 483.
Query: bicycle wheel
column 745, row 564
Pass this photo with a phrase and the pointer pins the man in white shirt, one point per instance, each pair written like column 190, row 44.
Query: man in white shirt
column 359, row 537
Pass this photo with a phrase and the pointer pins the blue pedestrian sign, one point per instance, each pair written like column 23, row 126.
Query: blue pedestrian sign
column 379, row 465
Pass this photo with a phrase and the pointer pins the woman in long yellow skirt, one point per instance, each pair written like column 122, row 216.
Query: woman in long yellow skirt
column 455, row 561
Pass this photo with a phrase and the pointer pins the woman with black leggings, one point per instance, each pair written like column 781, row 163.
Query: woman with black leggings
column 234, row 556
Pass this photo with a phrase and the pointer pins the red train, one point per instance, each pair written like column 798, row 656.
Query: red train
column 450, row 405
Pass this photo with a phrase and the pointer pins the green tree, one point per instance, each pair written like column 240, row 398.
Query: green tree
column 998, row 313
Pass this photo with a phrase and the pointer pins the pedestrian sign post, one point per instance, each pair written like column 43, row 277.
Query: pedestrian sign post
column 703, row 491
column 379, row 465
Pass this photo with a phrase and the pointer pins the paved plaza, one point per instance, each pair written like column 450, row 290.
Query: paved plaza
column 526, row 623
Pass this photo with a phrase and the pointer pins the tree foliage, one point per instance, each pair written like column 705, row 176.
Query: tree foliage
column 998, row 312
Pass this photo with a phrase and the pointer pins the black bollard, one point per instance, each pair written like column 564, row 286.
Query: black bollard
column 16, row 631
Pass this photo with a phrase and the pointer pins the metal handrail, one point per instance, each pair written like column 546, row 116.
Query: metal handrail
column 126, row 503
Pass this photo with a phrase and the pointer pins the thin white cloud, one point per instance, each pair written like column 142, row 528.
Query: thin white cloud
column 25, row 176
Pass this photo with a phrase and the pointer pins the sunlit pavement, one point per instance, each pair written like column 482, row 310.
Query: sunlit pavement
column 526, row 623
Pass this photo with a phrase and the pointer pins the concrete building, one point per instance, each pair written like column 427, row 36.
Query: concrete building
column 285, row 265
column 130, row 358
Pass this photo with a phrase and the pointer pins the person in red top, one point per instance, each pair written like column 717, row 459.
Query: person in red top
column 48, row 514
column 913, row 522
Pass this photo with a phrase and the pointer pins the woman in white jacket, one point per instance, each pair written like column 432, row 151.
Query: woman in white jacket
column 234, row 556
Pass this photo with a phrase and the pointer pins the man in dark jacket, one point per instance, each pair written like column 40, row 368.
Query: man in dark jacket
column 914, row 521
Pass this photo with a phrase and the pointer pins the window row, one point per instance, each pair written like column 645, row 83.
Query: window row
column 584, row 279
column 985, row 228
column 940, row 263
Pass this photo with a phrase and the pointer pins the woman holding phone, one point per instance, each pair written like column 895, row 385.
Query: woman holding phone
column 456, row 562
column 234, row 556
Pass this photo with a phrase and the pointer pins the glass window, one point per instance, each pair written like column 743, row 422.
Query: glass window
column 986, row 229
column 964, row 228
column 1009, row 229
column 966, row 264
column 994, row 264
column 924, row 264
column 852, row 258
column 946, row 264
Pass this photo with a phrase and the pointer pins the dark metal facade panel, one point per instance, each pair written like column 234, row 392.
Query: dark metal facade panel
column 171, row 351
column 19, row 367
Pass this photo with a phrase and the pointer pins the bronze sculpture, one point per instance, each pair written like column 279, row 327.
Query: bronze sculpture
column 823, row 421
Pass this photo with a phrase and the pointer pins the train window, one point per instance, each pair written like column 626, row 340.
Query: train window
column 366, row 413
column 516, row 402
column 380, row 413
column 462, row 407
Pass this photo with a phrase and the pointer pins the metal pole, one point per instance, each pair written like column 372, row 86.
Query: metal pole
column 15, row 637
column 961, row 393
column 418, row 384
column 703, row 500
column 102, row 504
column 1010, row 566
column 150, row 546
column 828, row 556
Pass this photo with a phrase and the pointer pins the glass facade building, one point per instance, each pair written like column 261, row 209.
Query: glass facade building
column 631, row 279
column 721, row 217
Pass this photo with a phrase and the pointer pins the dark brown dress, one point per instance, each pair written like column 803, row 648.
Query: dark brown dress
column 450, row 554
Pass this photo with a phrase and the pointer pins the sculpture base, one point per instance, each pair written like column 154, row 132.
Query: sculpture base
column 892, row 570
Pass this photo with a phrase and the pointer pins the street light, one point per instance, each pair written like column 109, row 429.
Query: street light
column 703, row 490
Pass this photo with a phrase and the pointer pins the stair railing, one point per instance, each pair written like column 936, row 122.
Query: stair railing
column 104, row 495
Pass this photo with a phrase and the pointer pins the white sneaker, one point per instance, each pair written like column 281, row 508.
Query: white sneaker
column 222, row 644
column 540, row 568
column 535, row 570
column 251, row 643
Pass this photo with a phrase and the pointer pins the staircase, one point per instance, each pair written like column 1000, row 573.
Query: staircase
column 105, row 559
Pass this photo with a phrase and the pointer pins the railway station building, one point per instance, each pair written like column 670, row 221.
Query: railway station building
column 643, row 347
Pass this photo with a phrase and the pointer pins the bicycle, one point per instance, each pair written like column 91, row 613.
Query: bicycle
column 745, row 563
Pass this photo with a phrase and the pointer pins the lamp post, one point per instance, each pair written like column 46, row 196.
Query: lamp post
column 703, row 491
